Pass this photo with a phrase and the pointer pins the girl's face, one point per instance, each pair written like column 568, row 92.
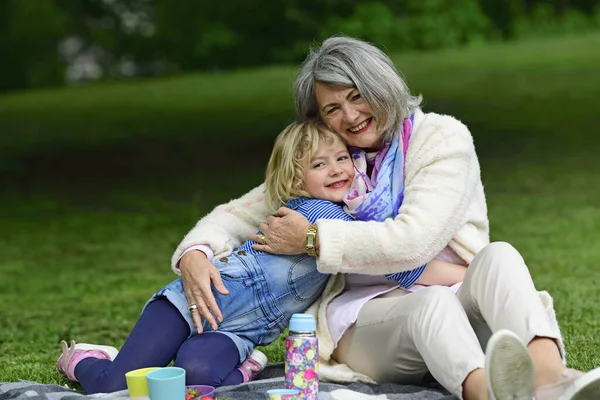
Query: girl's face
column 346, row 113
column 329, row 173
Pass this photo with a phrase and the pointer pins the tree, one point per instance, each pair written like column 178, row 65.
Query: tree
column 29, row 36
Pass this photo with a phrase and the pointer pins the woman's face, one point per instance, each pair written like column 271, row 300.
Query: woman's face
column 345, row 112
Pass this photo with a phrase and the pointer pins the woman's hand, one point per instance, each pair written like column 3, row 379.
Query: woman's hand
column 198, row 274
column 284, row 233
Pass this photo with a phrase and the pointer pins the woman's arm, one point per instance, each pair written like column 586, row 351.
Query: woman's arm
column 442, row 182
column 227, row 226
column 224, row 229
column 442, row 176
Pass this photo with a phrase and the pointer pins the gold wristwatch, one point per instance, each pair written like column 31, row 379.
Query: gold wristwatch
column 311, row 240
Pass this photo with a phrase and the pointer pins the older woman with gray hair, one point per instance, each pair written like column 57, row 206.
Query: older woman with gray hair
column 418, row 196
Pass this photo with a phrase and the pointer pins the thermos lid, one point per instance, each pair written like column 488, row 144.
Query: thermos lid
column 303, row 323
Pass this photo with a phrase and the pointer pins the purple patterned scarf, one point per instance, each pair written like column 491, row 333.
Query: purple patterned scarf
column 380, row 196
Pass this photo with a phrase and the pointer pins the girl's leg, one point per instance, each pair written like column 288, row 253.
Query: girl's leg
column 235, row 377
column 210, row 358
column 498, row 293
column 398, row 337
column 153, row 342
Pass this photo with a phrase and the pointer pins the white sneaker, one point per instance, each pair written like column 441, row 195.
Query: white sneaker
column 259, row 357
column 508, row 368
column 253, row 365
column 71, row 355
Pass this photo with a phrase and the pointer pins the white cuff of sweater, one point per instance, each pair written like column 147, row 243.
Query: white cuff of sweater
column 330, row 253
column 203, row 248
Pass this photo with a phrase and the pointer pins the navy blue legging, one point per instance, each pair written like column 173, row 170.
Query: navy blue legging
column 159, row 336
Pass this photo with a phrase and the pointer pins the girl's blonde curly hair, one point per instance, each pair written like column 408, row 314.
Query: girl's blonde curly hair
column 293, row 149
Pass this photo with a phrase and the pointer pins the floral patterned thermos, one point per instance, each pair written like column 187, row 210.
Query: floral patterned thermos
column 302, row 356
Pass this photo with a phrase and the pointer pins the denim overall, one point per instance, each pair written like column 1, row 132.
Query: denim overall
column 264, row 291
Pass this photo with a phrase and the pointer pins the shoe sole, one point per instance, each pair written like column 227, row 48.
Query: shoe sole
column 586, row 387
column 64, row 352
column 508, row 368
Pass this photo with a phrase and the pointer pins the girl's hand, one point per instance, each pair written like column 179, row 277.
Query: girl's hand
column 284, row 233
column 442, row 273
column 198, row 275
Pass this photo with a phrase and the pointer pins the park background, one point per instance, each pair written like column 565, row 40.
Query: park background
column 122, row 122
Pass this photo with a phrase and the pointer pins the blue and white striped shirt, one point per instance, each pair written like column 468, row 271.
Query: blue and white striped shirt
column 407, row 278
column 314, row 209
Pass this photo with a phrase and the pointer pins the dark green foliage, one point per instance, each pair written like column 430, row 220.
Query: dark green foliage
column 504, row 14
column 157, row 37
column 417, row 24
column 29, row 35
column 212, row 34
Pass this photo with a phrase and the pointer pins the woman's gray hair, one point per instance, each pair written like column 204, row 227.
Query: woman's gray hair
column 345, row 62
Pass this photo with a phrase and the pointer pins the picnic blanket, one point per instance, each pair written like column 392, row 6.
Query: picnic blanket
column 270, row 378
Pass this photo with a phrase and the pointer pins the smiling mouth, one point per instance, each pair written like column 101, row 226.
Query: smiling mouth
column 362, row 127
column 338, row 184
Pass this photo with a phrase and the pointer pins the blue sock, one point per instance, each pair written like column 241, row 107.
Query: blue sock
column 153, row 342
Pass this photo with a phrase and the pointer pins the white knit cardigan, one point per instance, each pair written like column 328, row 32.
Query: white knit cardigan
column 444, row 205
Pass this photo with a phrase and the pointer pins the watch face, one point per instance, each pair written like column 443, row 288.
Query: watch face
column 310, row 240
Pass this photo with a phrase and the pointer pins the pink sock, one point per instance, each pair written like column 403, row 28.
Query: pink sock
column 79, row 355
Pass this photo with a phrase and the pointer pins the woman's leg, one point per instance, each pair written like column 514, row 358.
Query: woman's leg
column 210, row 358
column 498, row 293
column 398, row 337
column 153, row 342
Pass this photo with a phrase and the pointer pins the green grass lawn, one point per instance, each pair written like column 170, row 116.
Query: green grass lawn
column 100, row 183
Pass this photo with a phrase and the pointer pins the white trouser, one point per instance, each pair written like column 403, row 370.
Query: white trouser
column 400, row 336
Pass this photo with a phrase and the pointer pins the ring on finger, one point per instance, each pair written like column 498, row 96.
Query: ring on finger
column 192, row 307
column 262, row 239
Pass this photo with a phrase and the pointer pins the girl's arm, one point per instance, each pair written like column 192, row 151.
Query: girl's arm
column 442, row 273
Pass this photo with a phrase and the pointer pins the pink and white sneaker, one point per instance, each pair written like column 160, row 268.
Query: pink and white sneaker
column 75, row 352
column 253, row 365
column 572, row 385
